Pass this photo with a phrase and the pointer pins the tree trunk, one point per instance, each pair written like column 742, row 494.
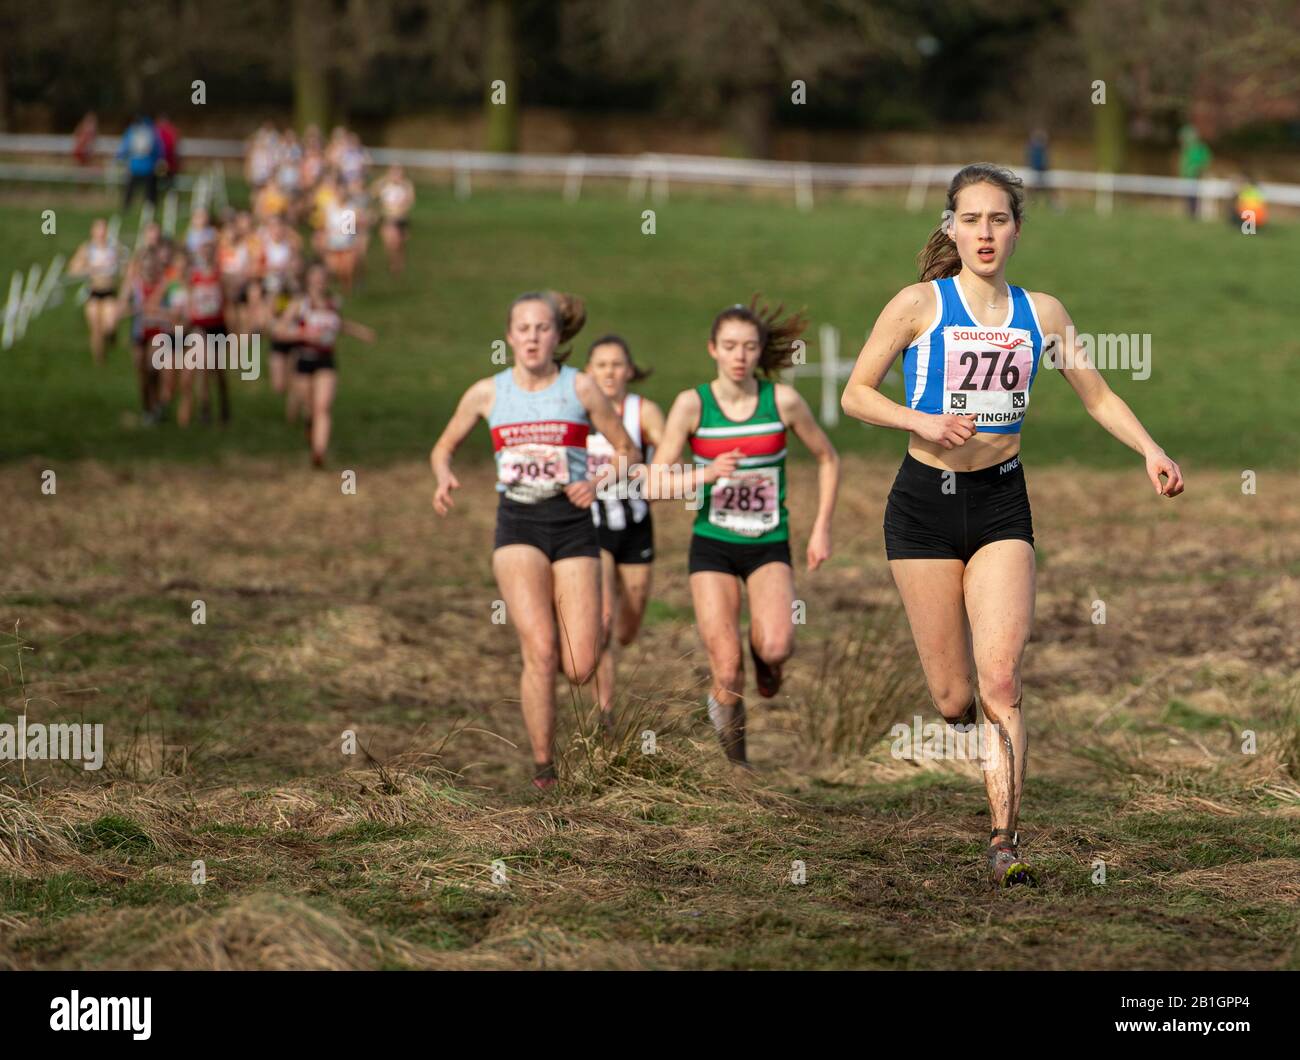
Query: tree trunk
column 750, row 119
column 4, row 94
column 1109, row 119
column 311, row 94
column 502, row 64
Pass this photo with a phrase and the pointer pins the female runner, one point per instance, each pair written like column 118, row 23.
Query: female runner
column 742, row 531
column 312, row 324
column 958, row 530
column 623, row 524
column 546, row 554
column 99, row 259
column 396, row 196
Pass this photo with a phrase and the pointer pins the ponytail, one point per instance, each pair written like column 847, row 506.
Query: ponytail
column 569, row 311
column 776, row 336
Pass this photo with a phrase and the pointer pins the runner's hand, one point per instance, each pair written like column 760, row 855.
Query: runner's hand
column 581, row 493
column 723, row 466
column 442, row 502
column 1159, row 464
column 819, row 546
column 947, row 431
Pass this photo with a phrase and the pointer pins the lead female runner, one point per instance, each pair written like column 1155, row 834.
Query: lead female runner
column 958, row 530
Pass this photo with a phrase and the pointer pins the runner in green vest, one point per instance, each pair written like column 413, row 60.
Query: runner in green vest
column 742, row 529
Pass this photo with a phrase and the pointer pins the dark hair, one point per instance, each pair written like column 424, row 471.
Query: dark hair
column 569, row 311
column 939, row 258
column 617, row 340
column 776, row 336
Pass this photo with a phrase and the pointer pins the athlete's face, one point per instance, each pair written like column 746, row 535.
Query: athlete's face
column 532, row 334
column 609, row 366
column 736, row 349
column 98, row 230
column 984, row 229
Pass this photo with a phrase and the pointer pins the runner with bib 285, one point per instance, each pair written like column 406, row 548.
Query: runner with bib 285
column 742, row 529
column 958, row 530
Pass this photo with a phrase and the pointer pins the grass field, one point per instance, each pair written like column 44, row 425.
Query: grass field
column 1217, row 305
column 329, row 612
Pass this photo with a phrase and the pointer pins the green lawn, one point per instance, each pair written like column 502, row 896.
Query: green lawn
column 1218, row 305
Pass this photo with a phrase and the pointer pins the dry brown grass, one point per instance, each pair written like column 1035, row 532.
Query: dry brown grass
column 329, row 613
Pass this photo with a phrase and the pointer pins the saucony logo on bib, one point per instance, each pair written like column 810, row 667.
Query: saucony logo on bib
column 1006, row 339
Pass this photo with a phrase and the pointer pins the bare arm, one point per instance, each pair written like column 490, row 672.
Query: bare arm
column 652, row 424
column 906, row 316
column 1102, row 403
column 357, row 331
column 798, row 417
column 610, row 424
column 475, row 403
column 664, row 479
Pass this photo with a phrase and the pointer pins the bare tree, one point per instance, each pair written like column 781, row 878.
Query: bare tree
column 734, row 58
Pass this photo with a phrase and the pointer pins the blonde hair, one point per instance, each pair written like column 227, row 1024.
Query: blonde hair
column 569, row 311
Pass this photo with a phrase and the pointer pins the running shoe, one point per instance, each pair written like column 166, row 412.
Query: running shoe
column 1006, row 867
column 545, row 777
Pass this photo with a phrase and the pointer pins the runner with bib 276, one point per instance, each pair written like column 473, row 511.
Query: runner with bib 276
column 958, row 530
column 742, row 529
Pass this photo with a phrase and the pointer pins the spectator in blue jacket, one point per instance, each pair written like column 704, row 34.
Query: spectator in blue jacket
column 143, row 151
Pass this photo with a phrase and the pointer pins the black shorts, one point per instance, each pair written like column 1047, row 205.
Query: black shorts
column 282, row 348
column 731, row 557
column 937, row 514
column 557, row 526
column 310, row 361
column 632, row 545
column 110, row 293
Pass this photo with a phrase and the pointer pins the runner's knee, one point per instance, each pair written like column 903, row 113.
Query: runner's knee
column 954, row 701
column 999, row 688
column 773, row 646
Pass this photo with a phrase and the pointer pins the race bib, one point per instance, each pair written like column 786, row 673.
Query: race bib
column 600, row 455
column 533, row 470
column 747, row 503
column 987, row 373
column 205, row 301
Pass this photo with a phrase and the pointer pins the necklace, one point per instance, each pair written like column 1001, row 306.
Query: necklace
column 991, row 305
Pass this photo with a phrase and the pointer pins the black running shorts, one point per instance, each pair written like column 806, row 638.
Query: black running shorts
column 731, row 557
column 557, row 526
column 633, row 545
column 937, row 514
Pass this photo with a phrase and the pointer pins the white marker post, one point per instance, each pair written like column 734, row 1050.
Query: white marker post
column 50, row 284
column 573, row 178
column 27, row 301
column 11, row 311
column 803, row 188
column 169, row 213
column 828, row 338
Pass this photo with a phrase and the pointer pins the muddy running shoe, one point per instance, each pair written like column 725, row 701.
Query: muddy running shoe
column 607, row 730
column 767, row 677
column 545, row 777
column 1006, row 867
